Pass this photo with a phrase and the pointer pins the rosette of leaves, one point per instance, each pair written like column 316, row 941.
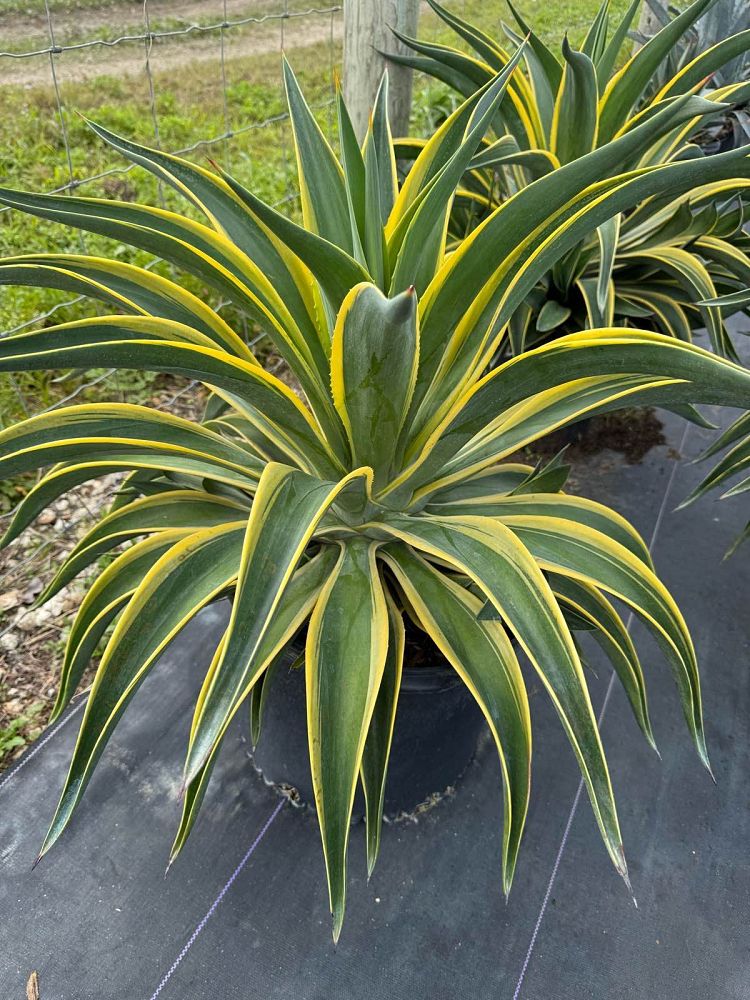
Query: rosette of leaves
column 386, row 487
column 651, row 266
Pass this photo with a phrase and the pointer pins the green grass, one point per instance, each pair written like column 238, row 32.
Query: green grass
column 22, row 730
column 550, row 19
column 26, row 7
column 189, row 107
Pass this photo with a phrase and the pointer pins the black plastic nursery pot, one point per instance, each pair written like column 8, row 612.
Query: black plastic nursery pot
column 437, row 730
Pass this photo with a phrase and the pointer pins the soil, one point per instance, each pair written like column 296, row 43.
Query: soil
column 632, row 433
column 419, row 649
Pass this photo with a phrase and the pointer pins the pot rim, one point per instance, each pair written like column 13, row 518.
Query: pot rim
column 432, row 679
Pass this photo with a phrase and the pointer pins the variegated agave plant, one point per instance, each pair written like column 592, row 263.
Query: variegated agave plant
column 658, row 265
column 387, row 486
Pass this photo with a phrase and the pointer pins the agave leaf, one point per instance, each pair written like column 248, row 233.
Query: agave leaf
column 325, row 209
column 237, row 428
column 542, row 95
column 627, row 85
column 260, row 691
column 732, row 300
column 458, row 64
column 213, row 196
column 740, row 539
column 611, row 634
column 492, row 153
column 196, row 248
column 595, row 558
column 296, row 603
column 483, row 657
column 101, row 430
column 608, row 235
column 333, row 267
column 430, row 157
column 354, row 172
column 288, row 507
column 735, row 432
column 549, row 476
column 181, row 509
column 466, row 74
column 574, row 121
column 727, row 255
column 374, row 360
column 195, row 790
column 130, row 288
column 542, row 413
column 547, row 59
column 597, row 318
column 744, row 485
column 694, row 73
column 459, row 81
column 382, row 141
column 736, row 460
column 551, row 316
column 574, row 510
column 536, row 162
column 606, row 63
column 501, row 480
column 374, row 766
column 526, row 422
column 104, row 600
column 344, row 668
column 668, row 314
column 188, row 576
column 421, row 246
column 688, row 271
column 596, row 37
column 677, row 373
column 481, row 42
column 126, row 342
column 492, row 556
column 373, row 244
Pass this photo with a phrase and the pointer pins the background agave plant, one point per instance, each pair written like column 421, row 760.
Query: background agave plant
column 735, row 442
column 385, row 487
column 735, row 463
column 653, row 266
column 725, row 18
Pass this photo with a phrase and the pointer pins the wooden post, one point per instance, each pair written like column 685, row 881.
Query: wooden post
column 367, row 25
column 648, row 23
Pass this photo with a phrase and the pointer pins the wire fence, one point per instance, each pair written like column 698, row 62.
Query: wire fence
column 221, row 29
column 233, row 137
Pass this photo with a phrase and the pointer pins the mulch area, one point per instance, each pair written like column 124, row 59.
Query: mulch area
column 630, row 433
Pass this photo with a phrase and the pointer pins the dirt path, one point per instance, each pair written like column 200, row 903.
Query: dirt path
column 127, row 58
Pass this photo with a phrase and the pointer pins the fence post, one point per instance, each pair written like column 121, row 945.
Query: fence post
column 648, row 23
column 367, row 25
